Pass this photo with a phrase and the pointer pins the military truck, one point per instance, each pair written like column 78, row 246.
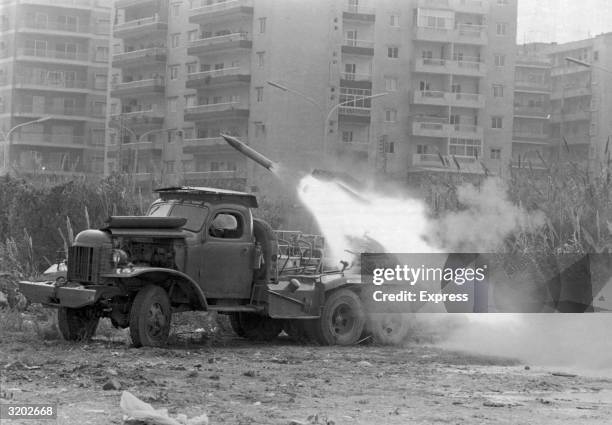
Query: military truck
column 201, row 249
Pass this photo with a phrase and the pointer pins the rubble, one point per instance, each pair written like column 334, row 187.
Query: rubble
column 137, row 411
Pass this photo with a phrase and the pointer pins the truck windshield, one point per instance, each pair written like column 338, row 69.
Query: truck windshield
column 194, row 214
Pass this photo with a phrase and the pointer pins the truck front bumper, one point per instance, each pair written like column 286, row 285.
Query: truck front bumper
column 49, row 294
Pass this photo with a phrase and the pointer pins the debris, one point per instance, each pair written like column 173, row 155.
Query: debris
column 294, row 422
column 564, row 375
column 493, row 404
column 20, row 365
column 527, row 368
column 364, row 363
column 137, row 411
column 192, row 374
column 249, row 373
column 3, row 300
column 112, row 384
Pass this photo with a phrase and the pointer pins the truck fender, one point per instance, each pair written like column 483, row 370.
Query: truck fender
column 158, row 275
column 351, row 282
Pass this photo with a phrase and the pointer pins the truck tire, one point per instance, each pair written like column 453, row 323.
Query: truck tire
column 389, row 329
column 150, row 317
column 77, row 324
column 236, row 326
column 342, row 319
column 259, row 328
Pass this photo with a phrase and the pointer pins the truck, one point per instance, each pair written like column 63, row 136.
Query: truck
column 201, row 249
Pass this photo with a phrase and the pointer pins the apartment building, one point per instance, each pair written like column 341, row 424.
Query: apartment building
column 531, row 137
column 581, row 108
column 53, row 86
column 380, row 89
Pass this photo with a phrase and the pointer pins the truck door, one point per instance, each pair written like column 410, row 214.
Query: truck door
column 227, row 254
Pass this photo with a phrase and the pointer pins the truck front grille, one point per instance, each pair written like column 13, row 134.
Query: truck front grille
column 83, row 264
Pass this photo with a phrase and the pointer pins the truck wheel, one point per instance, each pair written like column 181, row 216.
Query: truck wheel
column 150, row 317
column 264, row 235
column 77, row 324
column 259, row 328
column 342, row 319
column 236, row 326
column 389, row 329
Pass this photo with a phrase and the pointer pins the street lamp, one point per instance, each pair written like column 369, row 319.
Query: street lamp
column 7, row 137
column 326, row 114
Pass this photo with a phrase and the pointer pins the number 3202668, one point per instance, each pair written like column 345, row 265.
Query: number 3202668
column 28, row 411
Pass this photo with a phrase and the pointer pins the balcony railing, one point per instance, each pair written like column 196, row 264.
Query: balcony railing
column 139, row 54
column 458, row 66
column 448, row 98
column 52, row 83
column 212, row 107
column 529, row 135
column 434, row 4
column 355, row 8
column 531, row 111
column 54, row 110
column 353, row 42
column 154, row 111
column 440, row 127
column 356, row 111
column 57, row 26
column 215, row 7
column 355, row 76
column 204, row 142
column 535, row 85
column 355, row 145
column 214, row 73
column 51, row 139
column 209, row 41
column 137, row 23
column 53, row 54
column 148, row 83
column 73, row 3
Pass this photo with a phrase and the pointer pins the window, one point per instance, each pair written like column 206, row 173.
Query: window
column 502, row 2
column 172, row 104
column 393, row 52
column 500, row 60
column 259, row 91
column 394, row 21
column 191, row 67
column 174, row 70
column 175, row 39
column 497, row 122
column 100, row 81
column 261, row 59
column 190, row 100
column 67, row 23
column 495, row 153
column 423, row 149
column 502, row 28
column 226, row 225
column 176, row 9
column 192, row 35
column 169, row 167
column 262, row 25
column 390, row 147
column 465, row 147
column 596, row 55
column 347, row 136
column 390, row 84
column 97, row 137
column 498, row 90
column 390, row 115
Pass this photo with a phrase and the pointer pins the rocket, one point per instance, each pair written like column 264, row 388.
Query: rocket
column 250, row 152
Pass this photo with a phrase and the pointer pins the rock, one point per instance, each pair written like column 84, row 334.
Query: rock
column 527, row 368
column 112, row 384
column 364, row 363
column 3, row 300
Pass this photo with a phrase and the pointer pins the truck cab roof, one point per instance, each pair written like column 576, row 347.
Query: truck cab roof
column 208, row 194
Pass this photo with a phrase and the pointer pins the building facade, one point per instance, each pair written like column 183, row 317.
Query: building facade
column 380, row 89
column 53, row 86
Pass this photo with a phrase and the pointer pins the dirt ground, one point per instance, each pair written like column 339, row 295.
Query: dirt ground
column 238, row 382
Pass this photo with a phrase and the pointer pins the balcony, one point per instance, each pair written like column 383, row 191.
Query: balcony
column 353, row 12
column 572, row 91
column 56, row 28
column 440, row 127
column 358, row 115
column 72, row 4
column 356, row 80
column 215, row 111
column 470, row 68
column 464, row 100
column 32, row 82
column 239, row 40
column 148, row 86
column 434, row 4
column 140, row 57
column 122, row 4
column 153, row 116
column 448, row 163
column 571, row 116
column 58, row 112
column 479, row 7
column 531, row 112
column 52, row 55
column 354, row 146
column 217, row 78
column 142, row 26
column 568, row 69
column 205, row 145
column 230, row 9
column 471, row 34
column 67, row 141
column 530, row 137
column 532, row 86
column 353, row 46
